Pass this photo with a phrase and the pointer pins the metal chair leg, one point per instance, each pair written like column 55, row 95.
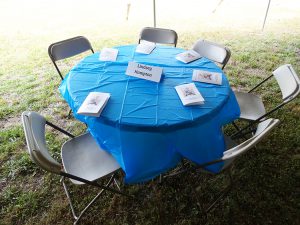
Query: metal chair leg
column 202, row 210
column 69, row 114
column 175, row 172
column 88, row 206
column 235, row 126
column 68, row 197
column 160, row 179
column 221, row 193
column 77, row 218
column 117, row 184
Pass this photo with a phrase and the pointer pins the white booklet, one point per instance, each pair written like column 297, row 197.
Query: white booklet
column 189, row 94
column 93, row 104
column 207, row 77
column 188, row 56
column 108, row 54
column 145, row 47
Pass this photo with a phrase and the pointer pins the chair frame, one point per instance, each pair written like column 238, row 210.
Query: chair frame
column 229, row 154
column 227, row 57
column 228, row 52
column 54, row 58
column 64, row 175
column 286, row 100
column 145, row 29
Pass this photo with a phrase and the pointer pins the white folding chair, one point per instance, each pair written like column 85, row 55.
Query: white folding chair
column 68, row 48
column 233, row 151
column 251, row 105
column 213, row 51
column 83, row 161
column 159, row 35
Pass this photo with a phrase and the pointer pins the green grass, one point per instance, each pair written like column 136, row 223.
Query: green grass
column 267, row 187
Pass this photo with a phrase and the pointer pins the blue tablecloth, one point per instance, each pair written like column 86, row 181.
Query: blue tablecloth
column 144, row 124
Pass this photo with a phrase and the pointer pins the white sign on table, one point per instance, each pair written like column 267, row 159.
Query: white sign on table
column 108, row 54
column 145, row 47
column 188, row 56
column 152, row 73
column 207, row 77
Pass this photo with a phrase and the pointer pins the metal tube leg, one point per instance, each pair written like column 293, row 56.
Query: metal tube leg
column 220, row 196
column 88, row 206
column 231, row 184
column 235, row 126
column 160, row 179
column 201, row 209
column 69, row 114
column 222, row 193
column 230, row 176
column 117, row 184
column 94, row 199
column 68, row 197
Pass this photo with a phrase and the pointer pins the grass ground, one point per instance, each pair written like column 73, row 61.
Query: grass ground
column 267, row 184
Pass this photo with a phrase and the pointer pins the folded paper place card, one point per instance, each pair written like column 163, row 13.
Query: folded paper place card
column 188, row 56
column 189, row 94
column 152, row 73
column 145, row 47
column 108, row 54
column 207, row 77
column 93, row 104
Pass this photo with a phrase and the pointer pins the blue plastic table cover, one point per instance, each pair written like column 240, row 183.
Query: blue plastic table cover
column 144, row 124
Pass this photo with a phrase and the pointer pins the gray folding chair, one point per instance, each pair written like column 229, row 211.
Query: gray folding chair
column 159, row 35
column 213, row 51
column 68, row 48
column 233, row 151
column 251, row 105
column 83, row 161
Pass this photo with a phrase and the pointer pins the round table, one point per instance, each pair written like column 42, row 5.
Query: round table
column 144, row 124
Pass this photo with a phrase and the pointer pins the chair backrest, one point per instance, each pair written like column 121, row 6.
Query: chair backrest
column 34, row 129
column 159, row 35
column 288, row 82
column 212, row 51
column 262, row 131
column 68, row 48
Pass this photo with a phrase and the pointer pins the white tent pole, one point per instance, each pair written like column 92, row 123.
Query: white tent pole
column 154, row 13
column 266, row 15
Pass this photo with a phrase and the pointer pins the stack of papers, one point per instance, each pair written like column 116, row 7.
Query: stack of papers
column 93, row 104
column 188, row 56
column 207, row 77
column 108, row 54
column 189, row 94
column 145, row 47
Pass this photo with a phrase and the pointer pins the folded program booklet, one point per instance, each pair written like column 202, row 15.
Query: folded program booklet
column 93, row 104
column 188, row 56
column 189, row 94
column 108, row 54
column 207, row 77
column 145, row 47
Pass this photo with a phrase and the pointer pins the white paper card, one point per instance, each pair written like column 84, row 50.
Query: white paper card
column 108, row 54
column 152, row 73
column 207, row 77
column 188, row 56
column 94, row 104
column 189, row 94
column 145, row 47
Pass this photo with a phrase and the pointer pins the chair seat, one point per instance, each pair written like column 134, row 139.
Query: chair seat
column 251, row 105
column 229, row 144
column 82, row 157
